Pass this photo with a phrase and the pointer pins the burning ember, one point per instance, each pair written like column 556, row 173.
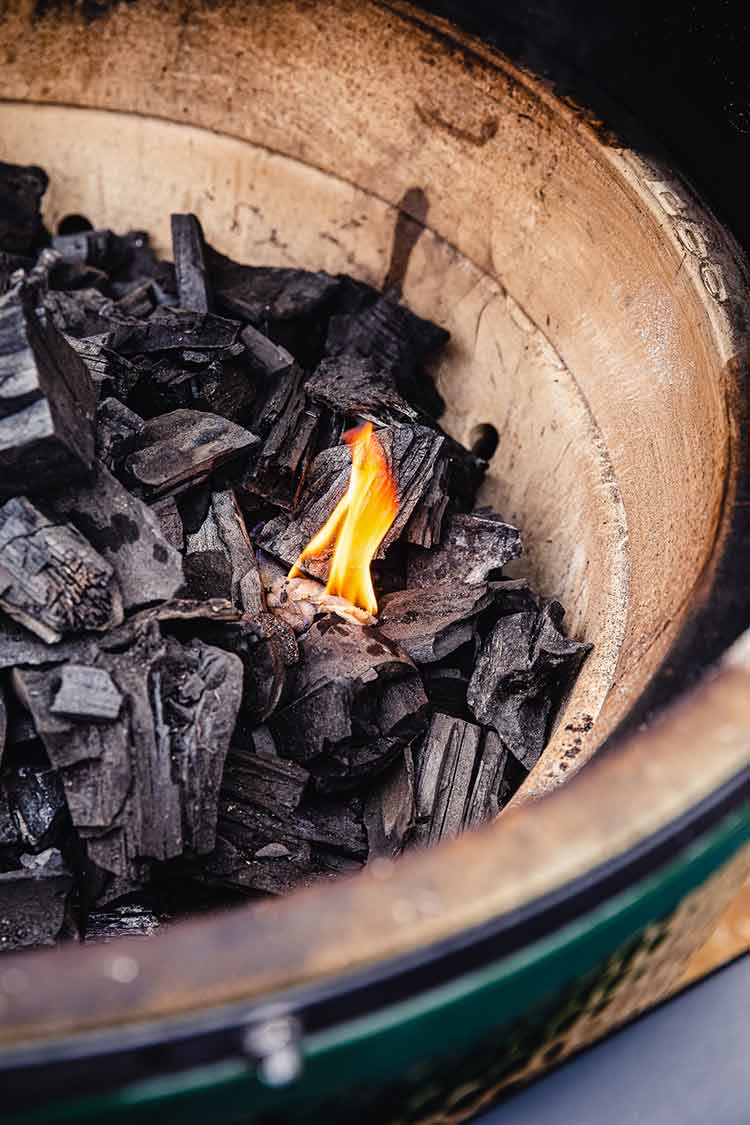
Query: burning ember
column 359, row 522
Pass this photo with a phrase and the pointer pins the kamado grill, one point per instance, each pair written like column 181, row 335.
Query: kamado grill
column 597, row 318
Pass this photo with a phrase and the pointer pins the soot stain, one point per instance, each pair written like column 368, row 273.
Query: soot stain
column 121, row 530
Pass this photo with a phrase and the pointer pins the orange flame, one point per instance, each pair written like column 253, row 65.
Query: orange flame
column 358, row 523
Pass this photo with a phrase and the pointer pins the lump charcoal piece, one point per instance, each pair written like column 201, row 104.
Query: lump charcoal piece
column 262, row 295
column 184, row 445
column 471, row 547
column 190, row 267
column 390, row 809
column 525, row 666
column 19, row 646
column 220, row 384
column 86, row 694
column 67, row 275
column 397, row 340
column 51, row 580
column 287, row 425
column 446, row 689
column 224, row 531
column 170, row 521
column 412, row 453
column 3, row 719
column 47, row 402
column 138, row 263
column 357, row 700
column 444, row 767
column 10, row 837
column 96, row 248
column 33, row 903
column 112, row 374
column 144, row 786
column 186, row 609
column 21, row 191
column 171, row 329
column 126, row 534
column 433, row 621
column 82, row 312
column 139, row 302
column 36, row 799
column 264, row 357
column 118, row 432
column 356, row 386
column 266, row 650
column 485, row 800
column 263, row 779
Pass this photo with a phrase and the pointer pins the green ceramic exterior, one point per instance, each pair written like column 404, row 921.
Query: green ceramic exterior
column 433, row 1057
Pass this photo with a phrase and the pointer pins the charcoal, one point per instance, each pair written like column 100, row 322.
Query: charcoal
column 170, row 521
column 190, row 267
column 266, row 648
column 126, row 534
column 484, row 801
column 21, row 191
column 113, row 375
column 139, row 302
column 224, row 531
column 288, row 425
column 208, row 576
column 397, row 340
column 389, row 809
column 9, row 265
column 19, row 646
column 144, row 786
column 264, row 779
column 431, row 622
column 86, row 694
column 33, row 902
column 98, row 248
column 47, row 402
column 472, row 547
column 183, row 446
column 357, row 387
column 524, row 668
column 118, row 432
column 83, row 312
column 10, row 837
column 412, row 453
column 171, row 329
column 264, row 358
column 444, row 768
column 71, row 275
column 263, row 295
column 36, row 799
column 3, row 720
column 357, row 700
column 446, row 688
column 51, row 579
column 138, row 263
column 220, row 384
column 274, row 850
column 187, row 609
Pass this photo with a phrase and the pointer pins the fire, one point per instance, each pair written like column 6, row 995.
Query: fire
column 359, row 522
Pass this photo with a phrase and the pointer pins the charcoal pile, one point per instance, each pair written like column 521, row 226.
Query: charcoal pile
column 254, row 630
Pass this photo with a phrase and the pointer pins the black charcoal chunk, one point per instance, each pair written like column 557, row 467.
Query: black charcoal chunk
column 86, row 694
column 432, row 621
column 223, row 531
column 144, row 786
column 118, row 432
column 264, row 357
column 170, row 329
column 220, row 384
column 397, row 340
column 525, row 667
column 471, row 547
column 51, row 580
column 486, row 798
column 183, row 446
column 208, row 576
column 127, row 919
column 356, row 386
column 288, row 426
column 262, row 295
column 357, row 701
column 21, row 191
column 36, row 799
column 444, row 768
column 112, row 374
column 47, row 402
column 190, row 267
column 33, row 902
column 263, row 779
column 83, row 313
column 96, row 248
column 126, row 534
column 390, row 809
